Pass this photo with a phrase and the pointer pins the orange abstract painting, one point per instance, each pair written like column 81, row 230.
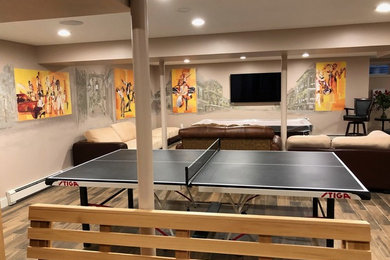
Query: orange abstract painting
column 42, row 94
column 124, row 93
column 330, row 86
column 184, row 91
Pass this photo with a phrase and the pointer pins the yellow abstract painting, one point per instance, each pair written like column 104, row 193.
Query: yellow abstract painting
column 124, row 93
column 184, row 91
column 42, row 94
column 330, row 86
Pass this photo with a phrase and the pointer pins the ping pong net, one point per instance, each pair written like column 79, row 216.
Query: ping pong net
column 196, row 166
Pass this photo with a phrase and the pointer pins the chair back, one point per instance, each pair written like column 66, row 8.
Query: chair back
column 363, row 107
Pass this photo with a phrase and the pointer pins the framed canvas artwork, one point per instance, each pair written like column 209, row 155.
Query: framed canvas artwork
column 184, row 90
column 330, row 86
column 42, row 94
column 124, row 93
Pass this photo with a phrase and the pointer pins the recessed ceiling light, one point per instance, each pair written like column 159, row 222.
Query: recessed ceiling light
column 242, row 57
column 72, row 22
column 305, row 55
column 183, row 9
column 186, row 61
column 383, row 8
column 197, row 22
column 63, row 33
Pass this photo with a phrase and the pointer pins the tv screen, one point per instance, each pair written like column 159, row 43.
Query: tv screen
column 255, row 87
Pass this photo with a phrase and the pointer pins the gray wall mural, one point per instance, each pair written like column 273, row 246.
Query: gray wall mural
column 156, row 103
column 302, row 96
column 210, row 96
column 94, row 92
column 81, row 89
column 8, row 106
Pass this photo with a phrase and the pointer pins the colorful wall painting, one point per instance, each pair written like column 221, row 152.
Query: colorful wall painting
column 330, row 86
column 184, row 90
column 42, row 94
column 124, row 93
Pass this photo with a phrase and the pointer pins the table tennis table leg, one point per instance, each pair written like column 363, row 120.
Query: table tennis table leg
column 315, row 207
column 130, row 198
column 329, row 214
column 84, row 202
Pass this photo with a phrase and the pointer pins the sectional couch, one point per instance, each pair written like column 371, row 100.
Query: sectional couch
column 366, row 156
column 121, row 135
column 232, row 137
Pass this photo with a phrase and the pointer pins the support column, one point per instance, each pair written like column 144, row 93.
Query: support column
column 142, row 104
column 143, row 110
column 163, row 101
column 283, row 101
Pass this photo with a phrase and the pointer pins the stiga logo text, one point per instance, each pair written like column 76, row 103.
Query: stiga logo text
column 335, row 195
column 68, row 183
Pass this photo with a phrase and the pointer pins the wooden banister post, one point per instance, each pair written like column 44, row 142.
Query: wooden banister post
column 40, row 243
column 356, row 245
column 182, row 254
column 105, row 248
column 2, row 248
column 265, row 239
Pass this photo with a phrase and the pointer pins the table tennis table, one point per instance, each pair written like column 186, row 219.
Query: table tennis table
column 284, row 173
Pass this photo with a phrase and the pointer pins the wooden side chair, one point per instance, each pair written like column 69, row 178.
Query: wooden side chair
column 362, row 108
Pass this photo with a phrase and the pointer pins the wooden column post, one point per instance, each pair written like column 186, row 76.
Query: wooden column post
column 283, row 101
column 356, row 245
column 105, row 248
column 182, row 254
column 40, row 243
column 163, row 101
column 265, row 239
column 2, row 248
column 143, row 103
column 139, row 22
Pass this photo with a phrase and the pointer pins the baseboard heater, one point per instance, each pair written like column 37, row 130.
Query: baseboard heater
column 26, row 190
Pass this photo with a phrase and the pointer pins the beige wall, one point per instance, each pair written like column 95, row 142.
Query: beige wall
column 34, row 149
column 31, row 150
column 323, row 122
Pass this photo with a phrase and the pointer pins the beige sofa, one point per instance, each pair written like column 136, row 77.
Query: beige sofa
column 121, row 135
column 126, row 132
column 375, row 140
column 365, row 156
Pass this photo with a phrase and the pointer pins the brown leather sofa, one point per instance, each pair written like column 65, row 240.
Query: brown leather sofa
column 365, row 156
column 83, row 151
column 232, row 137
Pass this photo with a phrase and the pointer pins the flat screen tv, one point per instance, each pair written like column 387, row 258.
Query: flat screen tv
column 255, row 87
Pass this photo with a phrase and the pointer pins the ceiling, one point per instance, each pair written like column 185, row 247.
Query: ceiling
column 36, row 22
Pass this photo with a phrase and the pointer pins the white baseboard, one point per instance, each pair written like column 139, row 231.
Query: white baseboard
column 13, row 195
column 3, row 202
column 19, row 193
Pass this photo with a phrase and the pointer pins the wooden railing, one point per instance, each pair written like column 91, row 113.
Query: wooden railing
column 355, row 235
column 2, row 249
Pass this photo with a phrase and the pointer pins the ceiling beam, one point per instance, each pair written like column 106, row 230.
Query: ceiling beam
column 24, row 10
